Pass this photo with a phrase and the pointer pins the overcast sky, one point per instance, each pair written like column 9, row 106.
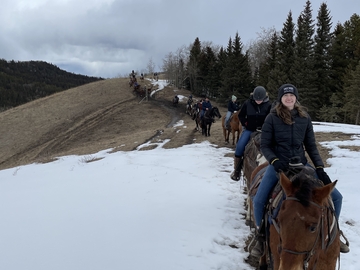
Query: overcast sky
column 108, row 38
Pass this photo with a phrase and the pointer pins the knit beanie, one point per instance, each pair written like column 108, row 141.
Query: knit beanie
column 233, row 98
column 287, row 89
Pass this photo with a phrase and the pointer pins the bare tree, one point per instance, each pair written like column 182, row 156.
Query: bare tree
column 150, row 66
column 257, row 49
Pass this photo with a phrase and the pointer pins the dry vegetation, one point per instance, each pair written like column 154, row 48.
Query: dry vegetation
column 97, row 116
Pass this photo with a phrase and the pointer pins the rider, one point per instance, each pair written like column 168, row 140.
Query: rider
column 189, row 102
column 232, row 107
column 288, row 132
column 252, row 115
column 206, row 105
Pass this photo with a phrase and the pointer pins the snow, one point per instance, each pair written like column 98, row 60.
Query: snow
column 156, row 209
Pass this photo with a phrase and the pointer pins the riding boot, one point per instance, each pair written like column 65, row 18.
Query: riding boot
column 258, row 250
column 344, row 247
column 235, row 175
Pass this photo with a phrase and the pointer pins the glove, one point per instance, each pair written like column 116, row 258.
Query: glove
column 280, row 165
column 323, row 176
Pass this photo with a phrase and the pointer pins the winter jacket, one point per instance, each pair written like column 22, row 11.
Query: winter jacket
column 206, row 105
column 232, row 106
column 252, row 115
column 282, row 141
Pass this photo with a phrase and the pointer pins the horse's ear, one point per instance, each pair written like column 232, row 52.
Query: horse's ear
column 322, row 193
column 286, row 184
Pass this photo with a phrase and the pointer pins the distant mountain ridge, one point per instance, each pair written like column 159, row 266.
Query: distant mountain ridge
column 24, row 81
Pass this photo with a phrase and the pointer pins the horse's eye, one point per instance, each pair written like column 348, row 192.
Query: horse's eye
column 312, row 228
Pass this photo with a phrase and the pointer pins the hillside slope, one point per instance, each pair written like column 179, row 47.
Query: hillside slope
column 93, row 117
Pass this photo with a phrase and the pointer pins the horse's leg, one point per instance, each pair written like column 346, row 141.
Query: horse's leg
column 209, row 129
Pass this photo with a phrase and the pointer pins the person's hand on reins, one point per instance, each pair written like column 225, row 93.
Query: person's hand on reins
column 279, row 165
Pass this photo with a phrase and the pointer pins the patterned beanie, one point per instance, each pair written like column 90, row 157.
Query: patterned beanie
column 287, row 89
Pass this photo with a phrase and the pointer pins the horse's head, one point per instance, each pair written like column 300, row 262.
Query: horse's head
column 302, row 220
column 215, row 112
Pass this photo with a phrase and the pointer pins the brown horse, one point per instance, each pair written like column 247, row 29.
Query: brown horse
column 304, row 234
column 234, row 128
column 309, row 235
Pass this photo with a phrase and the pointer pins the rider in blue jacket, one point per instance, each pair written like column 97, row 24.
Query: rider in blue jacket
column 206, row 105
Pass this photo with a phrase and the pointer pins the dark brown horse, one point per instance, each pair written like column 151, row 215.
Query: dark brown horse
column 252, row 159
column 208, row 119
column 235, row 128
column 304, row 234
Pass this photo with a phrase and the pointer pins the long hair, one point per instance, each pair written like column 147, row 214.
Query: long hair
column 285, row 114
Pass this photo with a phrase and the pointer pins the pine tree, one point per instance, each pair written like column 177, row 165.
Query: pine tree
column 192, row 67
column 272, row 64
column 287, row 51
column 304, row 75
column 352, row 96
column 323, row 39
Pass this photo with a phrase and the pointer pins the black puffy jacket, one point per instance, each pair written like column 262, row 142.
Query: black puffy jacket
column 282, row 141
column 252, row 115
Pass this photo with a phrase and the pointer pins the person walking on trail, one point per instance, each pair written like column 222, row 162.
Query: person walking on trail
column 232, row 107
column 206, row 105
column 288, row 132
column 252, row 116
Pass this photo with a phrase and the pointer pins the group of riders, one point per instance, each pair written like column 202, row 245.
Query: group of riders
column 286, row 132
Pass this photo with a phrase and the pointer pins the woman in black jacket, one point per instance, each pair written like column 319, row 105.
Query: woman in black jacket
column 287, row 132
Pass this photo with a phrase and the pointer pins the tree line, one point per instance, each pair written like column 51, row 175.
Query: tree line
column 322, row 63
column 21, row 82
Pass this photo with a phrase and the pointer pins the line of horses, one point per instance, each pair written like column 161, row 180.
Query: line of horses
column 301, row 230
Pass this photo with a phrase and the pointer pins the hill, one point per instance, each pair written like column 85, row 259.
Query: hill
column 97, row 116
column 21, row 82
column 93, row 117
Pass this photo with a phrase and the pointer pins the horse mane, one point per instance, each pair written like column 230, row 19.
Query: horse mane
column 304, row 185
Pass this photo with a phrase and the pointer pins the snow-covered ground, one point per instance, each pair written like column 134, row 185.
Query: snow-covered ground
column 159, row 209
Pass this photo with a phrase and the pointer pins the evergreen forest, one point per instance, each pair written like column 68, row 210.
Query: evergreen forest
column 21, row 82
column 319, row 58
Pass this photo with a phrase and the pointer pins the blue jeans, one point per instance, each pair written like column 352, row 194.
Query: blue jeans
column 242, row 142
column 227, row 117
column 269, row 181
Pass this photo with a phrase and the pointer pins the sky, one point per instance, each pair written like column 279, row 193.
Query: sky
column 157, row 209
column 109, row 38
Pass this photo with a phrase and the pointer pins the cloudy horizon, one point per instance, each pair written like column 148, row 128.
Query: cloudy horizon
column 109, row 38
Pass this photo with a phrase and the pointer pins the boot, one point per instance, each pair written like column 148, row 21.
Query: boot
column 235, row 175
column 258, row 250
column 344, row 247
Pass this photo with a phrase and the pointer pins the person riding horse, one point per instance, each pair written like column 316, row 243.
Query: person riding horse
column 252, row 115
column 206, row 106
column 232, row 107
column 189, row 105
column 287, row 132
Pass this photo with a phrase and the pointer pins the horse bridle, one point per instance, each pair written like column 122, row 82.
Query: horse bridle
column 310, row 253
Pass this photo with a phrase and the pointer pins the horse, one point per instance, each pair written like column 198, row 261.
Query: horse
column 208, row 119
column 175, row 101
column 234, row 127
column 303, row 232
column 253, row 162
